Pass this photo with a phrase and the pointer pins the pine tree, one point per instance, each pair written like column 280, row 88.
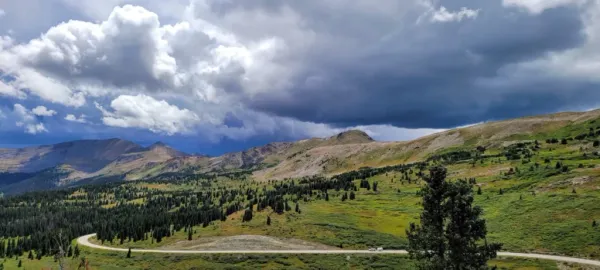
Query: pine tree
column 451, row 229
column 76, row 252
column 478, row 190
column 247, row 215
column 352, row 195
column 594, row 224
column 20, row 264
column 269, row 220
column 297, row 208
column 375, row 186
column 30, row 256
column 69, row 252
column 129, row 253
column 190, row 236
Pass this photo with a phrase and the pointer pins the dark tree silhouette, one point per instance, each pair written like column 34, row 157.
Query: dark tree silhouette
column 247, row 215
column 451, row 229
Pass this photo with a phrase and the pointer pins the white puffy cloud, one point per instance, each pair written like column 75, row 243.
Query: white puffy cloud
column 143, row 111
column 27, row 120
column 7, row 89
column 443, row 15
column 538, row 6
column 125, row 50
column 35, row 128
column 73, row 118
column 43, row 111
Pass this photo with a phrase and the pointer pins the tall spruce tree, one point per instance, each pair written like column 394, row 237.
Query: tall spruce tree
column 76, row 252
column 452, row 233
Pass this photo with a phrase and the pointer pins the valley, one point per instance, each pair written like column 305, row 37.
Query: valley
column 537, row 180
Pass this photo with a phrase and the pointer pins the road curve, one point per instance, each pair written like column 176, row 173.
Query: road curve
column 84, row 240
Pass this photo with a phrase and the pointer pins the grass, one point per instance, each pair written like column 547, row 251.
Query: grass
column 537, row 212
column 107, row 260
column 554, row 220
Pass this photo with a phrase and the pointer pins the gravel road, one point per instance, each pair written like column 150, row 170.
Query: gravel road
column 84, row 240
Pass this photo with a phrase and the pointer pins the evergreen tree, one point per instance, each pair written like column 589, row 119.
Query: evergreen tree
column 129, row 253
column 30, row 256
column 478, row 190
column 76, row 252
column 594, row 224
column 269, row 220
column 451, row 229
column 190, row 236
column 375, row 186
column 247, row 215
column 297, row 208
column 69, row 252
column 352, row 195
column 20, row 264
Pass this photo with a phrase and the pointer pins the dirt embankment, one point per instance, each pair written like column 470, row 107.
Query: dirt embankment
column 246, row 242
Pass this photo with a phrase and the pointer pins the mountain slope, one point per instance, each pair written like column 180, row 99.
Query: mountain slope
column 123, row 160
column 51, row 166
column 333, row 159
column 84, row 155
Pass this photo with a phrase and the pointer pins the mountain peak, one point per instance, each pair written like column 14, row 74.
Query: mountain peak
column 158, row 144
column 351, row 136
column 164, row 148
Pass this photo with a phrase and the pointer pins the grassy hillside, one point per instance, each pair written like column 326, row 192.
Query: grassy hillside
column 104, row 260
column 96, row 161
column 540, row 192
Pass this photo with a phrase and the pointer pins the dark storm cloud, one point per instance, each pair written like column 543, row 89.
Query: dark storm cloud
column 369, row 69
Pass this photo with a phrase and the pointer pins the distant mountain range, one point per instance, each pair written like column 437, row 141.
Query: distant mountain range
column 97, row 161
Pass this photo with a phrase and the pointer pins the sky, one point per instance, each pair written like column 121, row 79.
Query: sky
column 214, row 76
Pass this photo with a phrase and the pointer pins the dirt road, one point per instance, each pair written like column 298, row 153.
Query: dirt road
column 84, row 240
